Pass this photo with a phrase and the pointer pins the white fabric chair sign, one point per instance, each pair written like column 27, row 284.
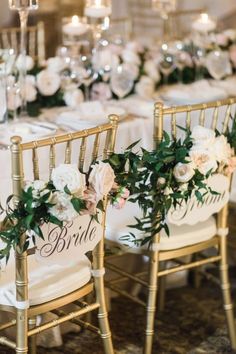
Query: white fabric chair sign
column 69, row 243
column 194, row 211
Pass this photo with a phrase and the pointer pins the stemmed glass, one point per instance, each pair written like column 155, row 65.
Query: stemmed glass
column 167, row 65
column 23, row 7
column 85, row 74
column 199, row 58
column 122, row 82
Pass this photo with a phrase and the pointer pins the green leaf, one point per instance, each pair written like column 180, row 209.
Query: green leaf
column 67, row 191
column 78, row 204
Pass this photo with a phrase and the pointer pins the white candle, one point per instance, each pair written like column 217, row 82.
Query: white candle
column 97, row 10
column 75, row 27
column 204, row 24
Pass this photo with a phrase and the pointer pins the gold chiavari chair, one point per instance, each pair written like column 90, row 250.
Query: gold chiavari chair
column 55, row 287
column 185, row 239
column 10, row 38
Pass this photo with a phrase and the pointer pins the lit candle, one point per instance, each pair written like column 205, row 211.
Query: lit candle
column 97, row 10
column 75, row 27
column 204, row 24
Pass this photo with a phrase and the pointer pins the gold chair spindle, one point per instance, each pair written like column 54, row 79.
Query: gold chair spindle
column 215, row 118
column 202, row 116
column 173, row 125
column 96, row 146
column 68, row 152
column 52, row 158
column 227, row 118
column 82, row 152
column 111, row 137
column 35, row 162
column 188, row 118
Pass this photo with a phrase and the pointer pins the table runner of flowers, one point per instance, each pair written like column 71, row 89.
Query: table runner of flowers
column 45, row 86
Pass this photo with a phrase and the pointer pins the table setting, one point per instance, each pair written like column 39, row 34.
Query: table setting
column 96, row 74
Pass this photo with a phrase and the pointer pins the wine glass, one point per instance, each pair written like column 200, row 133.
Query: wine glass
column 199, row 58
column 86, row 74
column 122, row 81
column 167, row 65
column 23, row 7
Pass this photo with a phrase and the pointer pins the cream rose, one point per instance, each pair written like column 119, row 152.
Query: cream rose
column 145, row 88
column 133, row 69
column 203, row 159
column 37, row 186
column 105, row 59
column 73, row 97
column 101, row 179
column 63, row 208
column 152, row 71
column 183, row 172
column 48, row 82
column 222, row 150
column 21, row 63
column 56, row 64
column 203, row 136
column 69, row 175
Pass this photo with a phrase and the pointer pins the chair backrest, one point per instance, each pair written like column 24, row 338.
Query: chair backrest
column 10, row 38
column 215, row 115
column 80, row 146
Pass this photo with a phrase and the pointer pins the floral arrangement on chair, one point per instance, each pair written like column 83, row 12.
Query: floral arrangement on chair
column 68, row 194
column 177, row 170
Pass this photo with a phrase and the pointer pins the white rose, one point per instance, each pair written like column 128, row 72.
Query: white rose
column 203, row 159
column 105, row 59
column 183, row 172
column 145, row 87
column 131, row 57
column 37, row 187
column 101, row 179
column 203, row 136
column 56, row 64
column 29, row 62
column 48, row 82
column 221, row 149
column 68, row 175
column 132, row 69
column 73, row 97
column 30, row 92
column 63, row 209
column 152, row 71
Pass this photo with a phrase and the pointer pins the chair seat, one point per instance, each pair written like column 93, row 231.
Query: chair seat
column 180, row 236
column 46, row 282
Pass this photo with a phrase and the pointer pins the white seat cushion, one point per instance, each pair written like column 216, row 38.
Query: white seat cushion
column 46, row 282
column 180, row 236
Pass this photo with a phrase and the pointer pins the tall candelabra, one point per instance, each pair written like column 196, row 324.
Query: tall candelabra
column 23, row 7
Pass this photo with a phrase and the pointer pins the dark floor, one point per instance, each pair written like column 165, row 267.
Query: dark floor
column 193, row 322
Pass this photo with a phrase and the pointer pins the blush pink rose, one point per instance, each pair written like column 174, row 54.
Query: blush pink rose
column 90, row 198
column 231, row 165
column 101, row 179
column 119, row 203
column 124, row 193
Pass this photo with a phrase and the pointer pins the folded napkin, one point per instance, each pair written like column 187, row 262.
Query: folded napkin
column 198, row 92
column 28, row 131
column 70, row 121
column 136, row 106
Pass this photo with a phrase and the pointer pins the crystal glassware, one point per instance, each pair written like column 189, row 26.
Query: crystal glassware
column 122, row 81
column 167, row 64
column 23, row 7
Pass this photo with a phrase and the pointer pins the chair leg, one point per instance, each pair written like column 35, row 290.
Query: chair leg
column 21, row 332
column 151, row 302
column 33, row 339
column 103, row 316
column 225, row 285
column 161, row 290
